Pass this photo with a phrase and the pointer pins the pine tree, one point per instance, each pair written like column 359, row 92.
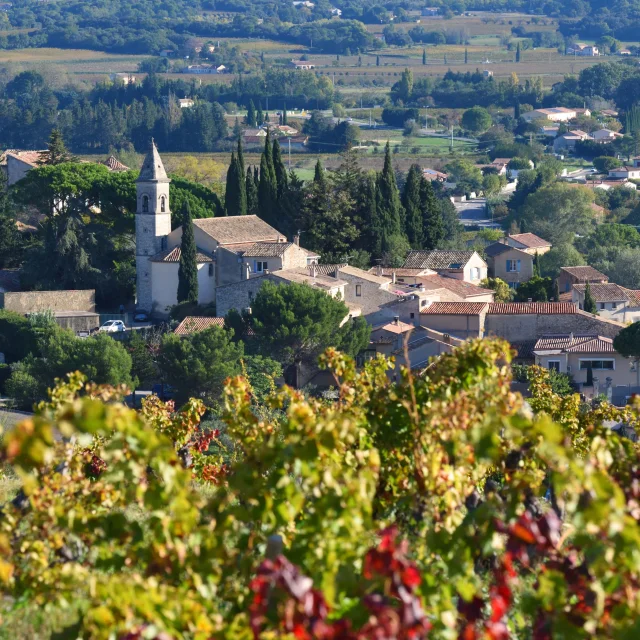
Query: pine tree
column 424, row 56
column 284, row 114
column 589, row 302
column 252, row 193
column 280, row 171
column 518, row 53
column 466, row 56
column 260, row 115
column 411, row 204
column 433, row 227
column 56, row 152
column 251, row 115
column 188, row 269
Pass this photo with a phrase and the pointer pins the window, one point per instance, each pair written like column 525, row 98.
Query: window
column 250, row 296
column 145, row 204
column 602, row 365
column 603, row 305
column 259, row 266
column 423, row 303
column 211, row 269
column 412, row 315
column 513, row 266
column 162, row 205
column 513, row 285
column 475, row 273
column 614, row 305
column 358, row 290
column 553, row 365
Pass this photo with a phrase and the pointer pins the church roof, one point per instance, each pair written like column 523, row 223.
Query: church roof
column 113, row 164
column 173, row 255
column 233, row 230
column 152, row 167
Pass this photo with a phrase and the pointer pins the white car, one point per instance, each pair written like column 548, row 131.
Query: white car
column 113, row 326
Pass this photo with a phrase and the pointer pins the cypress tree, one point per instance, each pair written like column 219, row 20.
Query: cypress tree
column 412, row 208
column 536, row 265
column 556, row 290
column 433, row 229
column 267, row 187
column 260, row 115
column 251, row 114
column 391, row 205
column 516, row 110
column 236, row 193
column 284, row 114
column 188, row 269
column 256, row 177
column 318, row 174
column 466, row 56
column 282, row 179
column 377, row 61
column 518, row 53
column 240, row 156
column 424, row 56
column 252, row 193
column 589, row 302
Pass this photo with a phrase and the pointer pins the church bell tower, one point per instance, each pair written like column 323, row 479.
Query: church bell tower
column 153, row 223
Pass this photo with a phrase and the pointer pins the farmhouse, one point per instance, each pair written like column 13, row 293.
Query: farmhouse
column 580, row 49
column 556, row 114
column 302, row 65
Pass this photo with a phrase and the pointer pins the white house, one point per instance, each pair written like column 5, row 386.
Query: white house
column 555, row 114
column 302, row 65
column 604, row 136
column 630, row 173
column 580, row 49
column 185, row 103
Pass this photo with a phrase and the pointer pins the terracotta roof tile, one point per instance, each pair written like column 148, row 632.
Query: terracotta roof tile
column 437, row 259
column 397, row 328
column 173, row 255
column 193, row 324
column 455, row 308
column 365, row 275
column 575, row 344
column 537, row 308
column 113, row 164
column 530, row 240
column 328, row 269
column 605, row 292
column 459, row 287
column 585, row 274
column 266, row 249
column 524, row 349
column 237, row 229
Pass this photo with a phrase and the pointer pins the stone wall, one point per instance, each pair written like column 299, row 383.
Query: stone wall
column 83, row 322
column 239, row 295
column 32, row 301
column 532, row 326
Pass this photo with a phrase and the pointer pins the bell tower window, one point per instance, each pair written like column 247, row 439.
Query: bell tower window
column 145, row 204
column 162, row 205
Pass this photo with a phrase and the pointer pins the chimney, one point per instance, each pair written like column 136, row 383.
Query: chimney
column 446, row 338
column 247, row 271
column 396, row 320
column 296, row 239
column 529, row 299
column 393, row 277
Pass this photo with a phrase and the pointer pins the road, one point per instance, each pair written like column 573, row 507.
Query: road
column 473, row 213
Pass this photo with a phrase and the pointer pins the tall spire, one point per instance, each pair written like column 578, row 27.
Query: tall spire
column 152, row 167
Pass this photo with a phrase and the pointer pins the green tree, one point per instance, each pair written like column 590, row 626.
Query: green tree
column 389, row 211
column 282, row 180
column 198, row 364
column 377, row 61
column 604, row 164
column 143, row 366
column 411, row 202
column 297, row 322
column 466, row 176
column 56, row 152
column 424, row 56
column 518, row 52
column 285, row 120
column 536, row 265
column 627, row 343
column 250, row 119
column 260, row 119
column 17, row 337
column 405, row 86
column 267, row 188
column 466, row 56
column 476, row 120
column 589, row 302
column 235, row 200
column 433, row 226
column 502, row 291
column 188, row 269
column 536, row 289
column 251, row 190
column 561, row 255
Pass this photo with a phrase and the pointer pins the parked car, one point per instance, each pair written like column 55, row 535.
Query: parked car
column 141, row 317
column 113, row 326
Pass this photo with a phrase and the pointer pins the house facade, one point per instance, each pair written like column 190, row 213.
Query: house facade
column 591, row 360
column 556, row 114
column 511, row 265
column 570, row 276
column 612, row 301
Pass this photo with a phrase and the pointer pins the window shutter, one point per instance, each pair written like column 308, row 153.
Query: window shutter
column 508, row 265
column 518, row 266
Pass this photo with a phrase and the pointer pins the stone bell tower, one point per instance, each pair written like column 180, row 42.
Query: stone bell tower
column 153, row 223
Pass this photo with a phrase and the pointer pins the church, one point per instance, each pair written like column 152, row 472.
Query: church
column 229, row 249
